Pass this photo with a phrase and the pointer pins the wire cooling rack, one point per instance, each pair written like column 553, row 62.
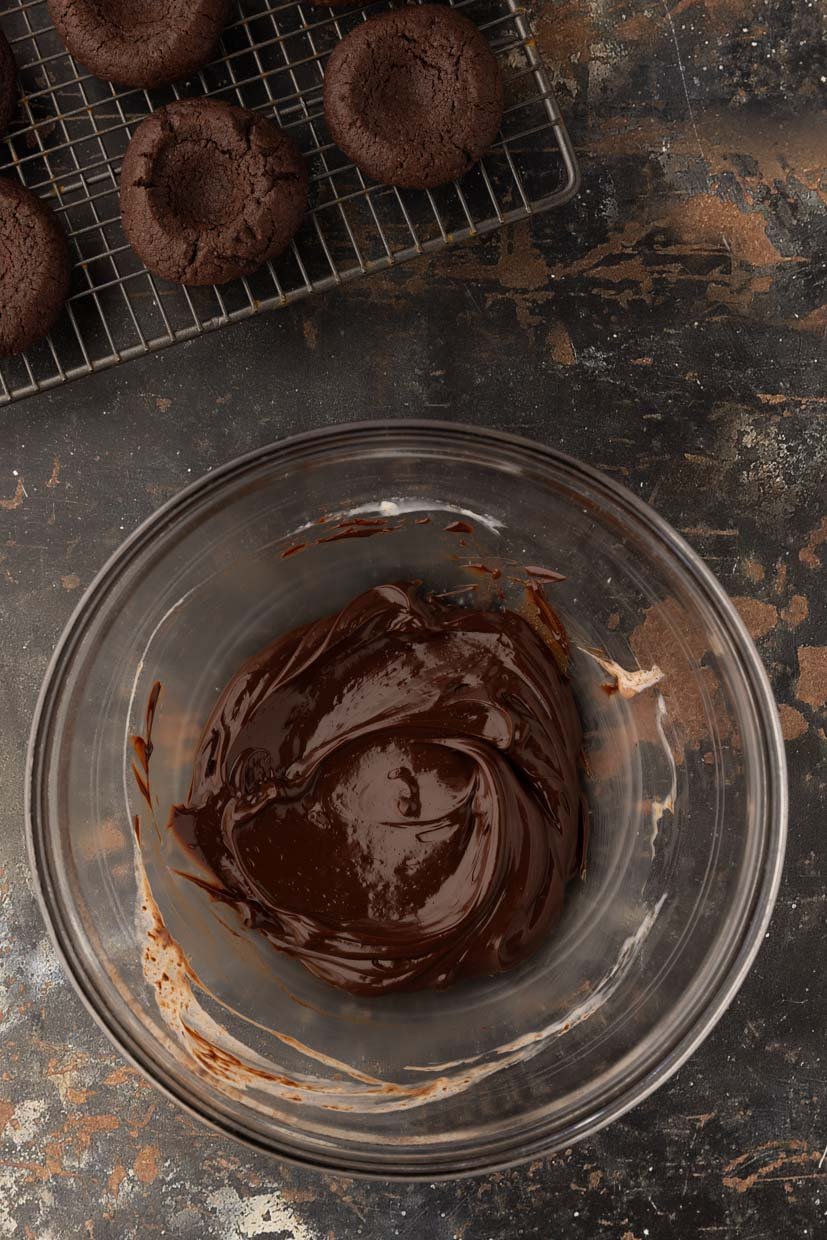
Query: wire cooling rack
column 72, row 132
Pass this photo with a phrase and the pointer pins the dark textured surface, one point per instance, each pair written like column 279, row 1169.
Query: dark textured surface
column 209, row 192
column 668, row 326
column 414, row 97
column 34, row 267
column 140, row 42
column 8, row 84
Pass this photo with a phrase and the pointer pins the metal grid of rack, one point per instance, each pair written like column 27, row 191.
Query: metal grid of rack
column 72, row 131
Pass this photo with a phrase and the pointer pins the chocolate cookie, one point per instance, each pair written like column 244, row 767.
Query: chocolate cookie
column 414, row 96
column 209, row 191
column 8, row 84
column 34, row 268
column 143, row 43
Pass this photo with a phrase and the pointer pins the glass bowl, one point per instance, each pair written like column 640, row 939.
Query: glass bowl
column 684, row 771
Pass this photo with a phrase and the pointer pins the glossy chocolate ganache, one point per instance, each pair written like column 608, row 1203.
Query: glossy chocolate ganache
column 391, row 793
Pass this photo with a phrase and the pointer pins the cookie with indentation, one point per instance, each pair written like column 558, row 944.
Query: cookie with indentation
column 34, row 268
column 141, row 43
column 209, row 191
column 8, row 84
column 414, row 96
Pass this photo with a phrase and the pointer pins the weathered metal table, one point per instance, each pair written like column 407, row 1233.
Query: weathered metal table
column 668, row 326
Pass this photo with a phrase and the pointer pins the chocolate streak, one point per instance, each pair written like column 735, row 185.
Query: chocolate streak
column 391, row 794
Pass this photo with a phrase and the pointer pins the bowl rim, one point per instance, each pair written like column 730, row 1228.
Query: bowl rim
column 633, row 1091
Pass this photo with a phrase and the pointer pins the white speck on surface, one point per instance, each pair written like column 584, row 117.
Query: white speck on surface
column 8, row 1224
column 263, row 1214
column 405, row 505
column 25, row 1122
column 682, row 73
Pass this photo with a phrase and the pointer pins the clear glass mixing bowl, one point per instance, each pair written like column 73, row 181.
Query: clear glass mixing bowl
column 686, row 785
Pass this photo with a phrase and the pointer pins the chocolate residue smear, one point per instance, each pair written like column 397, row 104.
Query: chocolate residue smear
column 315, row 1078
column 142, row 745
column 358, row 527
column 391, row 794
column 459, row 527
column 553, row 628
column 494, row 573
column 547, row 575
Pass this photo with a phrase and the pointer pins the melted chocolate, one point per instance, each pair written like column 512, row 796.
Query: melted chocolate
column 391, row 794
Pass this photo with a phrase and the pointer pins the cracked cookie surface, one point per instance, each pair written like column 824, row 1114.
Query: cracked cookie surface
column 34, row 268
column 414, row 96
column 209, row 191
column 8, row 84
column 142, row 43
